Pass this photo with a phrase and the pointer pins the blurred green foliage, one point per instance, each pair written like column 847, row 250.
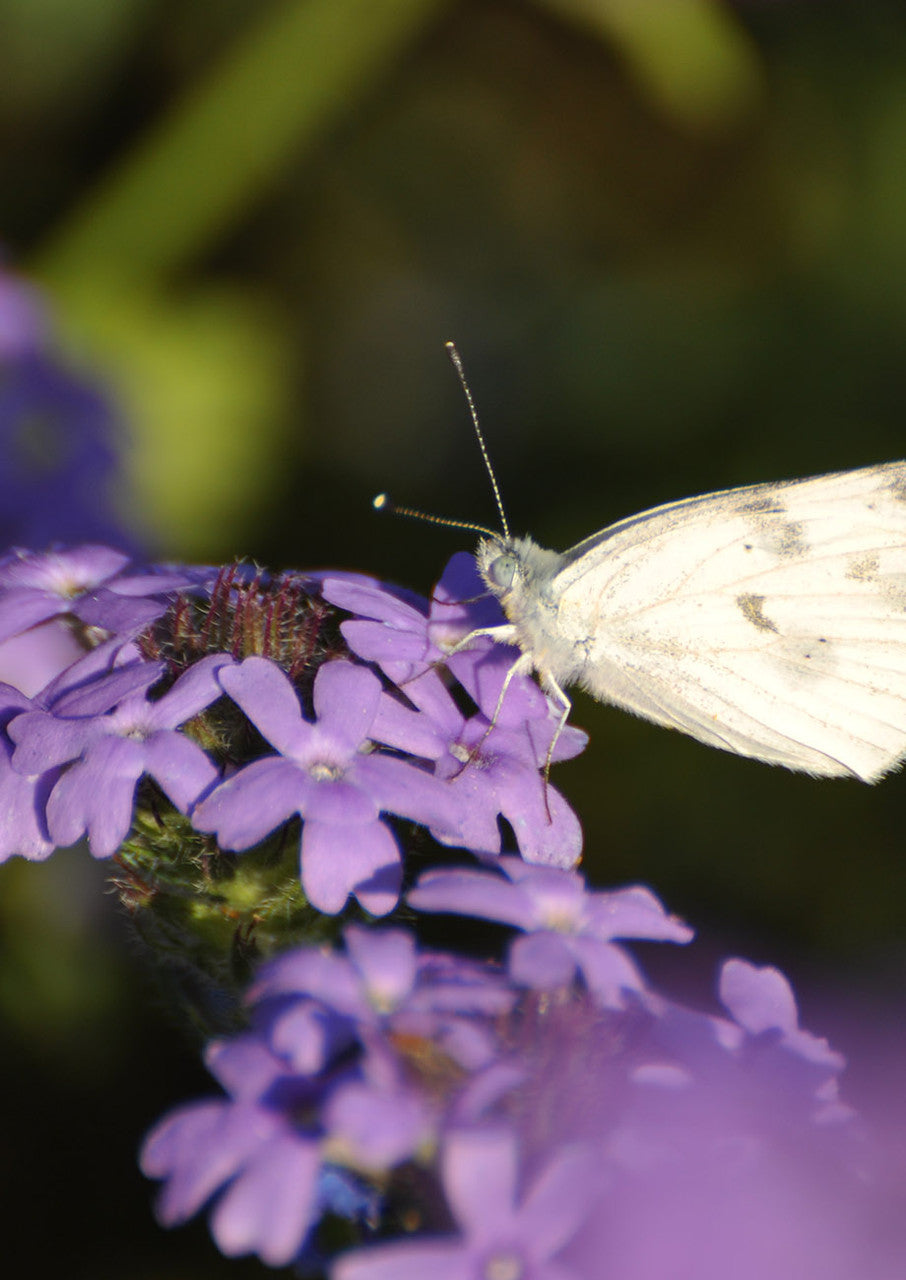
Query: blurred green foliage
column 669, row 237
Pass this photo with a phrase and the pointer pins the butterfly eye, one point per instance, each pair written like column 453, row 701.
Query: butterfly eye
column 502, row 571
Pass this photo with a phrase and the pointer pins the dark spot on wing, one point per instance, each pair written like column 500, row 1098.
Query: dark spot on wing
column 787, row 539
column 774, row 532
column 891, row 587
column 863, row 568
column 752, row 609
column 762, row 506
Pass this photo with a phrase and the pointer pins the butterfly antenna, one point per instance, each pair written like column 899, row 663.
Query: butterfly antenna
column 457, row 365
column 382, row 502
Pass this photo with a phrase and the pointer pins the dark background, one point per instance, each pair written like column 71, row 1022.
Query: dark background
column 670, row 240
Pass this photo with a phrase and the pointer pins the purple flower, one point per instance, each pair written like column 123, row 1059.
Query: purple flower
column 405, row 634
column 558, row 1149
column 86, row 583
column 56, row 487
column 367, row 1105
column 293, row 1102
column 23, row 829
column 23, row 327
column 568, row 928
column 327, row 773
column 381, row 990
column 718, row 1137
column 59, row 436
column 35, row 586
column 507, row 1230
column 492, row 770
column 263, row 1150
column 406, row 637
column 115, row 734
column 265, row 1170
column 491, row 760
column 761, row 1000
column 63, row 493
column 31, row 660
column 765, row 1032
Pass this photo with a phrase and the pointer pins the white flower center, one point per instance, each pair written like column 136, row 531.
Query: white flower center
column 504, row 1266
column 560, row 919
column 324, row 771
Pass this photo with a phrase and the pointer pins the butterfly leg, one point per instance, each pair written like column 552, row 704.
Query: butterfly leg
column 505, row 633
column 522, row 664
column 551, row 684
column 502, row 634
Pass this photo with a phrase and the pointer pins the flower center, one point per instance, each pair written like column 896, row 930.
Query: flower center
column 324, row 771
column 504, row 1266
column 476, row 756
column 560, row 919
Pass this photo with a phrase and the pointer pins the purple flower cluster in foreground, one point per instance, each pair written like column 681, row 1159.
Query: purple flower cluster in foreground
column 561, row 1119
column 370, row 747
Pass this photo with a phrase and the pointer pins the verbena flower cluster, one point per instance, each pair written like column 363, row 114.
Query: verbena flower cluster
column 342, row 747
column 307, row 785
column 529, row 1128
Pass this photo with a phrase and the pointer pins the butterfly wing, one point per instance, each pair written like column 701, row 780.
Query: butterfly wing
column 770, row 620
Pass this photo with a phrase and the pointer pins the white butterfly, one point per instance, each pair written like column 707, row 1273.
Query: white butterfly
column 768, row 620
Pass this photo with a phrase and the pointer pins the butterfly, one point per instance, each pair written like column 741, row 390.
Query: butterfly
column 769, row 620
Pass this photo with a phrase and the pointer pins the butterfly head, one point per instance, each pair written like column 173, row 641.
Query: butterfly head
column 514, row 569
column 499, row 566
column 497, row 562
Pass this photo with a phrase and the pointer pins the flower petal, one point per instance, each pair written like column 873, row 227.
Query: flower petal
column 338, row 861
column 269, row 1207
column 95, row 797
column 406, row 790
column 346, row 698
column 195, row 690
column 182, row 769
column 265, row 693
column 251, row 804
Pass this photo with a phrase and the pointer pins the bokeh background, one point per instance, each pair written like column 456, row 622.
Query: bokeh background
column 669, row 237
